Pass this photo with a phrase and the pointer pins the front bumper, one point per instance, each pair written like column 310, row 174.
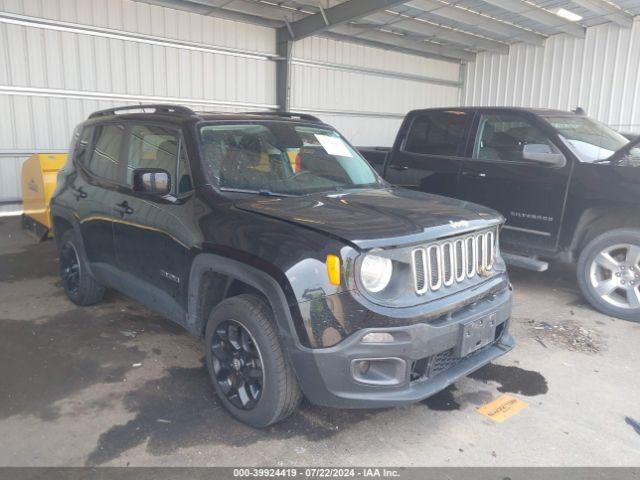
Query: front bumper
column 430, row 353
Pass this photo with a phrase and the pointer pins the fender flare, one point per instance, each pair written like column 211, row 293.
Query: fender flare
column 71, row 219
column 594, row 219
column 258, row 279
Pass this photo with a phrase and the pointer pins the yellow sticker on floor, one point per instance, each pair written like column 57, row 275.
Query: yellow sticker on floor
column 502, row 408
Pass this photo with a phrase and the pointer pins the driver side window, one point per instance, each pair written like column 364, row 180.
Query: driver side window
column 503, row 137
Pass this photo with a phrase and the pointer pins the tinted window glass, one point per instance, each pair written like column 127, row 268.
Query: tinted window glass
column 438, row 133
column 503, row 137
column 153, row 147
column 105, row 158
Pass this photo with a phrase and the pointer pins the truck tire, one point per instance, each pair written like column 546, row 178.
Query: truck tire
column 609, row 273
column 81, row 288
column 248, row 368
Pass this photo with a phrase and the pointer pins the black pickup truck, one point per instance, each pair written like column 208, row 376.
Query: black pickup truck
column 567, row 185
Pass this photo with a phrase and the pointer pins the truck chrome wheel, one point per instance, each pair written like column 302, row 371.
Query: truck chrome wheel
column 615, row 275
column 237, row 364
column 70, row 268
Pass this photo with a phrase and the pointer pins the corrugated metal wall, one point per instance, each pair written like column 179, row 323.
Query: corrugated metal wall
column 63, row 59
column 364, row 91
column 600, row 73
column 60, row 60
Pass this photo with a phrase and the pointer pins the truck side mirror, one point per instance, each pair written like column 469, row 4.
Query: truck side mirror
column 542, row 153
column 151, row 181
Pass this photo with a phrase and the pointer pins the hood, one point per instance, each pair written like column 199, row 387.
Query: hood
column 376, row 217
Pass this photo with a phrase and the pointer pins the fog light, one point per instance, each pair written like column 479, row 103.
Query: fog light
column 379, row 371
column 377, row 337
column 361, row 367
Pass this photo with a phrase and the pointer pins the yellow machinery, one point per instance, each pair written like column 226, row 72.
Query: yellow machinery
column 39, row 176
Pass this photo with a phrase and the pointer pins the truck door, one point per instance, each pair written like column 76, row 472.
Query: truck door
column 517, row 169
column 428, row 155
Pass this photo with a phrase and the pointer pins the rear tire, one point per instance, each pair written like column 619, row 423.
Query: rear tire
column 81, row 288
column 609, row 273
column 248, row 368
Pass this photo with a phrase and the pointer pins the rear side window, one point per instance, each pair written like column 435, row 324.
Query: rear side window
column 82, row 141
column 105, row 158
column 438, row 133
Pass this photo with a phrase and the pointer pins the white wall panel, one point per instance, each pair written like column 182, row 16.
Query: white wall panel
column 365, row 91
column 600, row 73
column 117, row 52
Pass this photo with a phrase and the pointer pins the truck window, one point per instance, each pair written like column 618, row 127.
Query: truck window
column 503, row 137
column 105, row 157
column 438, row 133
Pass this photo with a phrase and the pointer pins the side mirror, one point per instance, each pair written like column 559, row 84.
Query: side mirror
column 542, row 153
column 151, row 181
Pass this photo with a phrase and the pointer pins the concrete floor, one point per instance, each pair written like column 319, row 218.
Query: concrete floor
column 71, row 393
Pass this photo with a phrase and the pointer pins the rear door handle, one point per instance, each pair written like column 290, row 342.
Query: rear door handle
column 474, row 174
column 398, row 167
column 123, row 208
column 79, row 193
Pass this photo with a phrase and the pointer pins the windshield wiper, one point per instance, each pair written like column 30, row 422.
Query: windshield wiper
column 264, row 192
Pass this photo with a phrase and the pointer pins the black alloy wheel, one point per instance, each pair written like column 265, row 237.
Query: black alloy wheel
column 70, row 268
column 237, row 364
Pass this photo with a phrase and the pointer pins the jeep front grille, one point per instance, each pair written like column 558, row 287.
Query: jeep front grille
column 452, row 261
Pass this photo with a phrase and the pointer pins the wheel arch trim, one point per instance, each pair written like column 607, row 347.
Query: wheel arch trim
column 595, row 220
column 234, row 270
column 69, row 216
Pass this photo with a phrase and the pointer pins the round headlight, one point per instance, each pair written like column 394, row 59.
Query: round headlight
column 375, row 272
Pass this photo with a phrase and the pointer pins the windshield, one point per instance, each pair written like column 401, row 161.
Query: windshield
column 591, row 141
column 282, row 158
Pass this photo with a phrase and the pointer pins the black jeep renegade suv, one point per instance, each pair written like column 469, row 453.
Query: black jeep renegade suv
column 269, row 236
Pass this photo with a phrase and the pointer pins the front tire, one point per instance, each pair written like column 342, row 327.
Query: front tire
column 609, row 273
column 81, row 288
column 247, row 365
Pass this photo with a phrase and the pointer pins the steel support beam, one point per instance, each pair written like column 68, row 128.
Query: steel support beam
column 540, row 15
column 284, row 47
column 337, row 15
column 406, row 43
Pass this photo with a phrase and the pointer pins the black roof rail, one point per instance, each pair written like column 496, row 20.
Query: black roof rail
column 157, row 108
column 301, row 116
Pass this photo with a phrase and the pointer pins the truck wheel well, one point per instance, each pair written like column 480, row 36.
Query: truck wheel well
column 597, row 221
column 216, row 287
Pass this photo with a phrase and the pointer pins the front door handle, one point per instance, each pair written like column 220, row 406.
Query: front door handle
column 474, row 174
column 123, row 208
column 399, row 167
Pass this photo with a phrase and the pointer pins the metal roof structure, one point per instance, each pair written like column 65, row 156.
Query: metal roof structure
column 452, row 29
